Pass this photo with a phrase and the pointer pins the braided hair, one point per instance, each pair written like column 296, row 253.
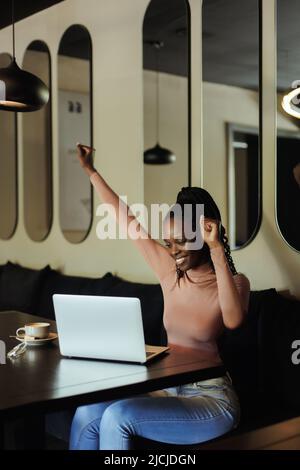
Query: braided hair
column 194, row 196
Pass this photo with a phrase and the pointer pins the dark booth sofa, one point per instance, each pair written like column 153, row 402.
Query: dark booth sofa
column 257, row 355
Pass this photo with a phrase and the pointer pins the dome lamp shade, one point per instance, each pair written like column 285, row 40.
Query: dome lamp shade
column 158, row 156
column 21, row 91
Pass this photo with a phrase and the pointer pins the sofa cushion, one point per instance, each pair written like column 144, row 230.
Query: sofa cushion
column 279, row 328
column 258, row 357
column 57, row 283
column 152, row 306
column 19, row 287
column 240, row 353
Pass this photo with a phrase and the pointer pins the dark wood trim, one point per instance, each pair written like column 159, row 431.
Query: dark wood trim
column 284, row 435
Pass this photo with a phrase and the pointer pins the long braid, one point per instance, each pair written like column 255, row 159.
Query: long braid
column 179, row 275
column 227, row 250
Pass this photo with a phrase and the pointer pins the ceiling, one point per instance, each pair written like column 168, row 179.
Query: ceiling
column 230, row 38
column 166, row 21
column 231, row 42
column 23, row 8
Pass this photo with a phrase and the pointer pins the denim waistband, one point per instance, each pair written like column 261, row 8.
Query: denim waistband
column 215, row 381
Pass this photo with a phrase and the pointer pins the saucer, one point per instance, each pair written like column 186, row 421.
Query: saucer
column 38, row 342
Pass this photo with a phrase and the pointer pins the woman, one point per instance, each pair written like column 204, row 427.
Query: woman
column 202, row 294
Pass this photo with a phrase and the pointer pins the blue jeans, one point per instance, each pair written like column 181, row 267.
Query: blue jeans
column 187, row 414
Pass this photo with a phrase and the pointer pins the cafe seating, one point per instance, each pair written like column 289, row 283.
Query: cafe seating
column 257, row 354
column 30, row 291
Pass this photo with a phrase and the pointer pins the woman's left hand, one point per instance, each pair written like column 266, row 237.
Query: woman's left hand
column 210, row 231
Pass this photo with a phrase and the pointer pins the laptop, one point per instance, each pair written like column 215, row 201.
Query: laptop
column 102, row 327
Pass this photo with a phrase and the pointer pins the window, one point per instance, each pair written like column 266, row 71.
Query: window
column 166, row 57
column 37, row 150
column 231, row 94
column 75, row 125
column 288, row 141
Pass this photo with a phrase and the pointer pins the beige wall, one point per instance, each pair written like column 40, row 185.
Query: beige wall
column 116, row 31
column 118, row 111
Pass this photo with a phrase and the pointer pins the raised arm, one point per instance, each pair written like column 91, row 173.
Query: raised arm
column 233, row 291
column 154, row 253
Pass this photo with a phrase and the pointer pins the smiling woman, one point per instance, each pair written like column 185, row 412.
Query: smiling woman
column 209, row 230
column 210, row 297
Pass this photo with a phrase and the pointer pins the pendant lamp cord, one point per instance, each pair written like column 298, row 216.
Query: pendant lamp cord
column 13, row 25
column 157, row 86
column 158, row 45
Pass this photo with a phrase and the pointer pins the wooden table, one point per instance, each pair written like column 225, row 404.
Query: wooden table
column 41, row 380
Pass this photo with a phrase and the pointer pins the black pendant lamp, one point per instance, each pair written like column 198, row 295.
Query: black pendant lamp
column 158, row 155
column 21, row 91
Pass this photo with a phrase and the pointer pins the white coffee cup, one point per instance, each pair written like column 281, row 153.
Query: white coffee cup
column 37, row 330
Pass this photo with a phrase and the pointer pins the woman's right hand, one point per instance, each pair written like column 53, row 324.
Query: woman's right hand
column 85, row 157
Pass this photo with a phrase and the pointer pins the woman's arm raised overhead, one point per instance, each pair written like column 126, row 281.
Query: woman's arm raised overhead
column 154, row 253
